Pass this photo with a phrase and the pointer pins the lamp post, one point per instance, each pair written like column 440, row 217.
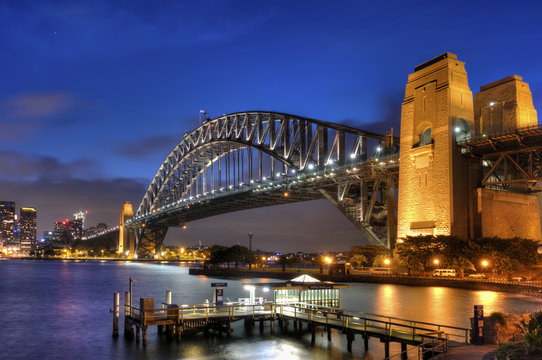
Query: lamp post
column 250, row 241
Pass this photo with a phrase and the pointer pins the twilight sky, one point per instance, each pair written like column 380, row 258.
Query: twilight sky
column 95, row 94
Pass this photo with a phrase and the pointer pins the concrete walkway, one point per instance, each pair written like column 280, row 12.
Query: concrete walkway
column 471, row 352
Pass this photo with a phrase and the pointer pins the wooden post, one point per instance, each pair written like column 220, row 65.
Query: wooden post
column 144, row 333
column 313, row 334
column 295, row 325
column 128, row 327
column 179, row 330
column 366, row 342
column 404, row 355
column 261, row 326
column 116, row 301
column 349, row 339
column 329, row 333
column 387, row 349
column 228, row 331
column 272, row 325
column 300, row 325
column 137, row 334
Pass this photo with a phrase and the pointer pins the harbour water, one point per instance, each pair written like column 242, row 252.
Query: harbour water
column 60, row 310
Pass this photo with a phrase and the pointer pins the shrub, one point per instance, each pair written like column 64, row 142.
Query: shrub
column 532, row 331
column 498, row 318
column 511, row 351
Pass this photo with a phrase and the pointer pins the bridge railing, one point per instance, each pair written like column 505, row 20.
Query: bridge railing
column 523, row 129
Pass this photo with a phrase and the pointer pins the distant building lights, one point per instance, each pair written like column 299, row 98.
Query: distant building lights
column 311, row 166
column 492, row 103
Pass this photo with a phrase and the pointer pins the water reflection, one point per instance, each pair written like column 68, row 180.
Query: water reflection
column 63, row 307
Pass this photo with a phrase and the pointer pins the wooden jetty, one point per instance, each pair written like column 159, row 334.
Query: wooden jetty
column 176, row 321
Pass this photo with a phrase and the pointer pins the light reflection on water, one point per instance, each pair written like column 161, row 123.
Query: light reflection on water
column 60, row 309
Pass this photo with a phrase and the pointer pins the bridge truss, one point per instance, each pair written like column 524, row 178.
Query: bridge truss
column 510, row 160
column 254, row 159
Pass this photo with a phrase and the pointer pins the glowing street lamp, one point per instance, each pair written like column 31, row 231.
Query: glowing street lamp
column 436, row 262
column 387, row 262
column 327, row 260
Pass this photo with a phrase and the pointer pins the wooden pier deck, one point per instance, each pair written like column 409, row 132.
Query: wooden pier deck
column 177, row 321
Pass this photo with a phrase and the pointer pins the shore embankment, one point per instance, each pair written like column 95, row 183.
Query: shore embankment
column 530, row 288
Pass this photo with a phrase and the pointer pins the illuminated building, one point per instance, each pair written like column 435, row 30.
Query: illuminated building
column 27, row 225
column 7, row 222
column 76, row 228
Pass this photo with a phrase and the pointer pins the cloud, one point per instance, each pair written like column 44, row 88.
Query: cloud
column 16, row 165
column 150, row 145
column 37, row 105
column 23, row 115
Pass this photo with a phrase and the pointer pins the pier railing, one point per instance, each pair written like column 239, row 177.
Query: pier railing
column 416, row 331
column 387, row 326
column 180, row 313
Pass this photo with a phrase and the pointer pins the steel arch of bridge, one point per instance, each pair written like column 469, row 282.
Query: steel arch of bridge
column 255, row 150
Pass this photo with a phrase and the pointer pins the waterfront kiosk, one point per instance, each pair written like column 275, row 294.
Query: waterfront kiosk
column 306, row 289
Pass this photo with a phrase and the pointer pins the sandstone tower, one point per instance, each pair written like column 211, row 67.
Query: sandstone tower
column 434, row 179
column 504, row 105
column 126, row 238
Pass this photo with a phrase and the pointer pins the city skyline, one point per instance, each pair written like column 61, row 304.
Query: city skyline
column 88, row 83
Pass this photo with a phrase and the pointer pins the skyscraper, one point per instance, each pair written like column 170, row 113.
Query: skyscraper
column 28, row 228
column 7, row 222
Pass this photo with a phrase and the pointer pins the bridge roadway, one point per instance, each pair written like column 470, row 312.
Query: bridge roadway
column 190, row 319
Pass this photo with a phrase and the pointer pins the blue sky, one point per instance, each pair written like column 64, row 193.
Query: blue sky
column 95, row 94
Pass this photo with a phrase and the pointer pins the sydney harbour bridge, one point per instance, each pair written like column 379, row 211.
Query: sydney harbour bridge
column 255, row 159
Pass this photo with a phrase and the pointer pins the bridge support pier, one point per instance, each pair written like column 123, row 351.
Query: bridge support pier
column 366, row 342
column 261, row 326
column 387, row 349
column 295, row 325
column 137, row 334
column 328, row 333
column 313, row 333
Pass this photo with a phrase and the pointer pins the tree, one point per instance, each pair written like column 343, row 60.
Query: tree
column 239, row 254
column 218, row 255
column 287, row 260
column 357, row 260
column 370, row 252
column 410, row 257
column 320, row 260
column 457, row 252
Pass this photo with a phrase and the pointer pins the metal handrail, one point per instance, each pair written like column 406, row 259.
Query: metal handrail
column 388, row 324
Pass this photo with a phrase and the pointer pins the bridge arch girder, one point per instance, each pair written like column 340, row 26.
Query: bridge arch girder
column 294, row 141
